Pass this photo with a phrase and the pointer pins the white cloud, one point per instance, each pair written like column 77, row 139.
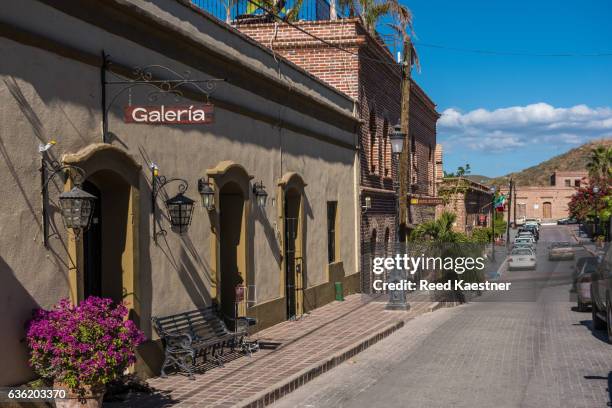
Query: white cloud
column 517, row 126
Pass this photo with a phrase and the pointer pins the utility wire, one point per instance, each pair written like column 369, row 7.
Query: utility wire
column 511, row 53
column 429, row 45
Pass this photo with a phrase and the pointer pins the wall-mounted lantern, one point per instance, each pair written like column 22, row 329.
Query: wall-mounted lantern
column 179, row 207
column 397, row 139
column 76, row 205
column 207, row 193
column 367, row 203
column 261, row 196
column 77, row 208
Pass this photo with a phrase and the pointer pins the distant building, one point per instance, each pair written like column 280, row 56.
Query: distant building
column 547, row 202
column 469, row 200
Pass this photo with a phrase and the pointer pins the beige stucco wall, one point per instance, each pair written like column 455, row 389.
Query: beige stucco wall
column 46, row 96
column 533, row 199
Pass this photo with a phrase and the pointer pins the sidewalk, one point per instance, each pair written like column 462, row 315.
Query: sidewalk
column 306, row 348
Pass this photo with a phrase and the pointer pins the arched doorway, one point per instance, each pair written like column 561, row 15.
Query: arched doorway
column 546, row 210
column 293, row 224
column 232, row 246
column 230, row 238
column 107, row 261
column 105, row 242
column 294, row 278
column 372, row 255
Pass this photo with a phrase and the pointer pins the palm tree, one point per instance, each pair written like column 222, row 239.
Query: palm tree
column 438, row 230
column 600, row 164
column 371, row 11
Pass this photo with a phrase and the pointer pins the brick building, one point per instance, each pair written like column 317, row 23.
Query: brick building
column 365, row 70
column 469, row 200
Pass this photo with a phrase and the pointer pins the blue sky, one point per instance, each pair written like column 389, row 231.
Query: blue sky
column 505, row 113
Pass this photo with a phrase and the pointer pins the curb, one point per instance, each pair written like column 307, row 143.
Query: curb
column 295, row 381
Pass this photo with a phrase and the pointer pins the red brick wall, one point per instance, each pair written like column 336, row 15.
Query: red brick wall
column 369, row 74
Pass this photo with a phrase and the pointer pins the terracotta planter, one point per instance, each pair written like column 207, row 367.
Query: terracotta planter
column 92, row 399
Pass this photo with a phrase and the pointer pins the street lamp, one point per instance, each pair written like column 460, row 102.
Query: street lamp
column 493, row 190
column 397, row 298
column 596, row 191
column 207, row 193
column 261, row 195
column 397, row 139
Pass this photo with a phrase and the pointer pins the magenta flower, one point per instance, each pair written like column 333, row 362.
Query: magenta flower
column 89, row 344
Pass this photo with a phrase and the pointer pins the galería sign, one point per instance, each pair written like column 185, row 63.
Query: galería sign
column 169, row 115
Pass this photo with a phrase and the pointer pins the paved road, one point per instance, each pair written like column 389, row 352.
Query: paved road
column 526, row 348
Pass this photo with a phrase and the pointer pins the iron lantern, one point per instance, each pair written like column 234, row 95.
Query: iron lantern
column 397, row 139
column 77, row 208
column 180, row 209
column 207, row 193
column 260, row 194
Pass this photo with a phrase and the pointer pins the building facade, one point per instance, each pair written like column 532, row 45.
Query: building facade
column 365, row 69
column 107, row 82
column 546, row 203
column 470, row 201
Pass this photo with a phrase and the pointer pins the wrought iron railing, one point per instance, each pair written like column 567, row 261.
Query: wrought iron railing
column 231, row 10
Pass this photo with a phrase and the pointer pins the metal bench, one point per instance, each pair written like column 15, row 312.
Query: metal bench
column 198, row 333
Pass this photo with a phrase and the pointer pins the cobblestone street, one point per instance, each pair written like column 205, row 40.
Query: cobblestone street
column 525, row 348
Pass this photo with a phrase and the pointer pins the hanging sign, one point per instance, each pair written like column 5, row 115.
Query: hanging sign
column 169, row 115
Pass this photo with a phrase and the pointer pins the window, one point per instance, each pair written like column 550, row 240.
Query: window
column 568, row 183
column 332, row 209
column 577, row 183
column 372, row 140
column 385, row 138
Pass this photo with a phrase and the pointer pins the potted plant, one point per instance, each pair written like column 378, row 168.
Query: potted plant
column 81, row 348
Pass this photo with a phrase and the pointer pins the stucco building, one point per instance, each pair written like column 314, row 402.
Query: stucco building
column 468, row 200
column 549, row 202
column 269, row 122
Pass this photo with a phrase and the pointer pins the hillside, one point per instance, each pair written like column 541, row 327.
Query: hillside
column 539, row 175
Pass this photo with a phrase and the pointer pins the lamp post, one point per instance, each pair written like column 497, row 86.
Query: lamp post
column 492, row 190
column 397, row 297
column 596, row 191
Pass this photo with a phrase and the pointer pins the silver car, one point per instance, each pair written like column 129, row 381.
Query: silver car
column 522, row 258
column 601, row 294
column 561, row 251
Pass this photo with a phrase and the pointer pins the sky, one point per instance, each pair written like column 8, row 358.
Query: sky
column 504, row 113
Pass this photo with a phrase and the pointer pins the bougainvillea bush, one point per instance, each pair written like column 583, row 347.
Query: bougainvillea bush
column 83, row 346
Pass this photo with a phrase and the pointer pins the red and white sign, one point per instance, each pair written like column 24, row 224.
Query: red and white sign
column 169, row 115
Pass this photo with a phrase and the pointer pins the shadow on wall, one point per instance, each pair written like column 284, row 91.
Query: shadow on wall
column 16, row 305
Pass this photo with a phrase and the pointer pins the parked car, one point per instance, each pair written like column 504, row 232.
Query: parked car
column 522, row 258
column 583, row 283
column 579, row 264
column 560, row 251
column 536, row 221
column 529, row 232
column 601, row 294
column 533, row 228
column 567, row 221
column 525, row 239
column 525, row 245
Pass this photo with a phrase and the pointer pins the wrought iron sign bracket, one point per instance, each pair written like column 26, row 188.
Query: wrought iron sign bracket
column 167, row 82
